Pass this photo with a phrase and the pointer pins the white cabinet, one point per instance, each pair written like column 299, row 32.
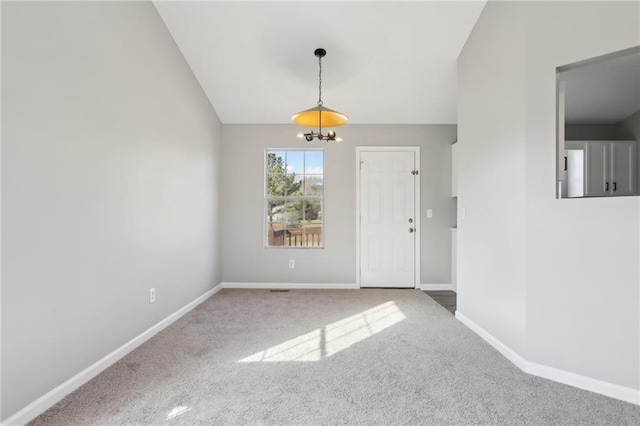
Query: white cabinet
column 454, row 170
column 623, row 168
column 610, row 168
column 595, row 169
column 454, row 259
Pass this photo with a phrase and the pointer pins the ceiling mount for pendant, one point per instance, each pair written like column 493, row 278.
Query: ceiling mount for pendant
column 320, row 115
column 320, row 52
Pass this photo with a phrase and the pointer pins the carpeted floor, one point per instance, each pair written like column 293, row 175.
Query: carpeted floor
column 369, row 357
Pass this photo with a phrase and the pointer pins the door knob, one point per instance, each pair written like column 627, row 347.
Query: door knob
column 411, row 230
column 410, row 220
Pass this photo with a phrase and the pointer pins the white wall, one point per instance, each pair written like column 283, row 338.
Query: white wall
column 586, row 250
column 591, row 132
column 580, row 280
column 628, row 129
column 110, row 186
column 244, row 257
column 491, row 178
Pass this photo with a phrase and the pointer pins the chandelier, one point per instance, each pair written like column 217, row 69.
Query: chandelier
column 320, row 115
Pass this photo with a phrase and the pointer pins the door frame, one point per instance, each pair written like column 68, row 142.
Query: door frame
column 416, row 195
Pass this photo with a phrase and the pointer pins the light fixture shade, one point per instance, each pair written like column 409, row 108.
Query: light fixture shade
column 311, row 117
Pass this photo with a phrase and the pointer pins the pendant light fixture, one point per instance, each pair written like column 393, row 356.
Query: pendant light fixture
column 320, row 115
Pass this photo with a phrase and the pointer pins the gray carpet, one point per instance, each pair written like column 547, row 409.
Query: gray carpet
column 370, row 357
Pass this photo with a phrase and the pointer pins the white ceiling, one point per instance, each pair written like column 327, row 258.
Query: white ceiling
column 387, row 62
column 604, row 92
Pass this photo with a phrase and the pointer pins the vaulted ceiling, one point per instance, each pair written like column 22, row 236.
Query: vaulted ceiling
column 606, row 91
column 387, row 62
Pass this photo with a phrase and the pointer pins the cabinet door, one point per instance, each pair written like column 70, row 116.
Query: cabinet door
column 454, row 260
column 454, row 170
column 623, row 168
column 596, row 182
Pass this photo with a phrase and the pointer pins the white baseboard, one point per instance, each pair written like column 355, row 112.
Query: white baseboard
column 583, row 382
column 291, row 286
column 561, row 376
column 435, row 287
column 507, row 352
column 46, row 401
column 52, row 397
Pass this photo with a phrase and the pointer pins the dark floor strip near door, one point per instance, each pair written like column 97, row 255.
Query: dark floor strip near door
column 445, row 298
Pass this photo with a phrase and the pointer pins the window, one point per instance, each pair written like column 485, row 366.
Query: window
column 597, row 113
column 294, row 198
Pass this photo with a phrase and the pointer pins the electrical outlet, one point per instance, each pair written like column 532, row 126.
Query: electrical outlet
column 429, row 213
column 463, row 213
column 292, row 264
column 152, row 295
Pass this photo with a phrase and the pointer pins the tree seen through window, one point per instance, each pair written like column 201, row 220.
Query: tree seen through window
column 294, row 198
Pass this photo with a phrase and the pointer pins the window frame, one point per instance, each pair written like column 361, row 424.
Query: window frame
column 266, row 199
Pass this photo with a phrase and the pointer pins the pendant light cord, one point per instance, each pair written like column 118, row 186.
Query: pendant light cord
column 320, row 95
column 320, row 81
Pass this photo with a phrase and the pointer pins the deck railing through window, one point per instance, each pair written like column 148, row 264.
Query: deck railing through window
column 296, row 237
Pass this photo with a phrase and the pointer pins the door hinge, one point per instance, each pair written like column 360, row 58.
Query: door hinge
column 414, row 172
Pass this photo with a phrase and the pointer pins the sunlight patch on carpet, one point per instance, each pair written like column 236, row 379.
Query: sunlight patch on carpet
column 333, row 338
column 177, row 411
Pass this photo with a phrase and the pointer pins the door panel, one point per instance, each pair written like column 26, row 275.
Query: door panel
column 387, row 192
column 623, row 155
column 597, row 169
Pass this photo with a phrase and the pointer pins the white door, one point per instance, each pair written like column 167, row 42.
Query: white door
column 388, row 208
